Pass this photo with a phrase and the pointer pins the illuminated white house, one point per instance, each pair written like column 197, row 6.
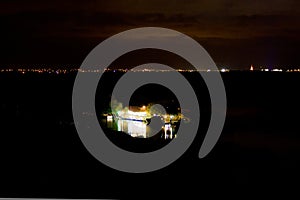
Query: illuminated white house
column 135, row 119
column 133, row 113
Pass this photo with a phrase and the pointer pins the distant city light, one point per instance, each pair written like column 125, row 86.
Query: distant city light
column 251, row 68
column 224, row 70
column 277, row 70
column 66, row 70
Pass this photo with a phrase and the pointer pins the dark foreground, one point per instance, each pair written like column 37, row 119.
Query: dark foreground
column 42, row 156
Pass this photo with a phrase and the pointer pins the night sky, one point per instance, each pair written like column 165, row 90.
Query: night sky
column 235, row 33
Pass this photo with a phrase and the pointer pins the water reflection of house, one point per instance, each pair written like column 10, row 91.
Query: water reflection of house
column 168, row 131
column 132, row 121
column 133, row 128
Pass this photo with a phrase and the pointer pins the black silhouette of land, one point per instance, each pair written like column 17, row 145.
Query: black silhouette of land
column 41, row 154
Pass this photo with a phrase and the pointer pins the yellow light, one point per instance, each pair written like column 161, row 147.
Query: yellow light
column 109, row 118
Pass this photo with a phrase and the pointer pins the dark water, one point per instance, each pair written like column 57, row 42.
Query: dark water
column 42, row 155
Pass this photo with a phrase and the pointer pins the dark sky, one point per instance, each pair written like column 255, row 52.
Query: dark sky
column 235, row 33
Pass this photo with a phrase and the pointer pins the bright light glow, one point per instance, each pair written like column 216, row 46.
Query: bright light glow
column 141, row 114
column 133, row 128
column 136, row 129
column 120, row 125
column 109, row 118
column 168, row 129
column 224, row 70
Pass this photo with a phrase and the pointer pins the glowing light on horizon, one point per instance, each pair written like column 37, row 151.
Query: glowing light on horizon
column 277, row 70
